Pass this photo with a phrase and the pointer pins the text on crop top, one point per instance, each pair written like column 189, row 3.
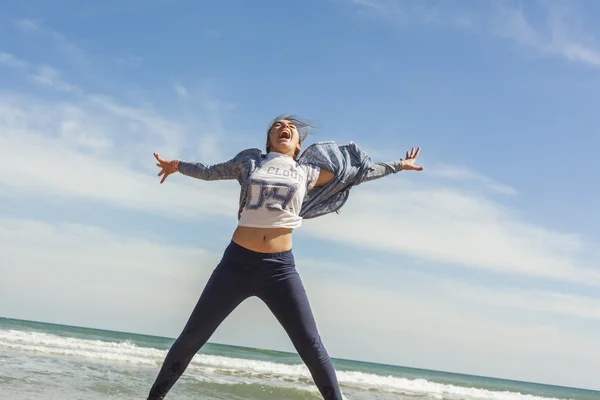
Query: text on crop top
column 276, row 190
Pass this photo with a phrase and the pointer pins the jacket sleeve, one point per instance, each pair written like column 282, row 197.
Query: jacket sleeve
column 229, row 169
column 380, row 169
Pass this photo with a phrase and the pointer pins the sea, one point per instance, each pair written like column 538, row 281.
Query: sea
column 52, row 362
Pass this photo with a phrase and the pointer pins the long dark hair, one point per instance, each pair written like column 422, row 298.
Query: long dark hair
column 303, row 126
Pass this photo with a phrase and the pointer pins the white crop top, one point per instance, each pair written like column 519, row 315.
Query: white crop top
column 276, row 190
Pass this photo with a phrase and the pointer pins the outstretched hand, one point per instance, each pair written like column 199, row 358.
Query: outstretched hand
column 167, row 167
column 408, row 164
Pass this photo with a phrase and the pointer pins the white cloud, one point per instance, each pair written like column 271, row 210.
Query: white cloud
column 57, row 39
column 378, row 5
column 143, row 122
column 80, row 150
column 49, row 76
column 53, row 169
column 27, row 25
column 505, row 301
column 461, row 173
column 405, row 12
column 45, row 75
column 120, row 133
column 537, row 301
column 561, row 34
column 10, row 60
column 86, row 275
column 180, row 90
column 74, row 130
column 154, row 285
column 89, row 63
column 445, row 225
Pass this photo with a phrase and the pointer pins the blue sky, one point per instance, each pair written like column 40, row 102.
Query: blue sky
column 486, row 263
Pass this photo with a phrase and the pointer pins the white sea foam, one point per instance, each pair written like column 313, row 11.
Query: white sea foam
column 227, row 370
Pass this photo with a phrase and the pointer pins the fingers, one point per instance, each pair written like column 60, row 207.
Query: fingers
column 162, row 163
column 413, row 168
column 164, row 177
column 160, row 159
column 413, row 153
column 411, row 157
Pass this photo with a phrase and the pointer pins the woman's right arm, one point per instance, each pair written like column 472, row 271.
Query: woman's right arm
column 225, row 170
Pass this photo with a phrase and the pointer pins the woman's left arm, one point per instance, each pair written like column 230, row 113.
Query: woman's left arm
column 381, row 169
column 324, row 178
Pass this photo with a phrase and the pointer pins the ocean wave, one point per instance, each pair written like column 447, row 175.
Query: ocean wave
column 229, row 370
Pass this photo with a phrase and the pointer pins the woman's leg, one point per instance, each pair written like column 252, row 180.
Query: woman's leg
column 224, row 291
column 286, row 298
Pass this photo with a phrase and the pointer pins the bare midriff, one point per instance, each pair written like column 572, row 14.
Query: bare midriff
column 263, row 240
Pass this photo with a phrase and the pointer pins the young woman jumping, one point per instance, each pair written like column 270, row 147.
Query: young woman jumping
column 278, row 190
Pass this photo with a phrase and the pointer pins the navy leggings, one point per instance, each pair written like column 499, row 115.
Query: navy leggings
column 273, row 278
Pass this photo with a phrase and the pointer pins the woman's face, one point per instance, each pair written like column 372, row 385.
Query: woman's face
column 284, row 138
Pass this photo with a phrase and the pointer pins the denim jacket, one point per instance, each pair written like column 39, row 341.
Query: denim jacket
column 350, row 165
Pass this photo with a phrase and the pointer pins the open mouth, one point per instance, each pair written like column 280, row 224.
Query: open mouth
column 285, row 134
